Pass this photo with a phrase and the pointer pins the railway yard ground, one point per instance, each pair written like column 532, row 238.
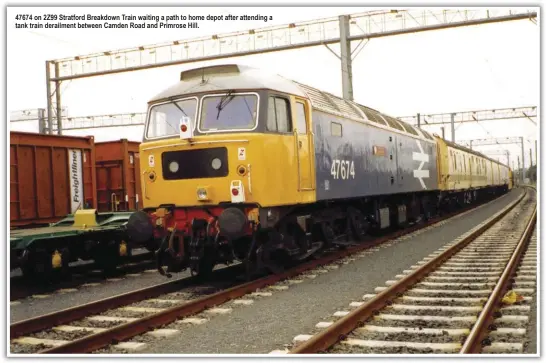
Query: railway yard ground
column 278, row 317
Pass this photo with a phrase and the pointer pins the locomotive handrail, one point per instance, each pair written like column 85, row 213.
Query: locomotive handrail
column 297, row 149
column 144, row 190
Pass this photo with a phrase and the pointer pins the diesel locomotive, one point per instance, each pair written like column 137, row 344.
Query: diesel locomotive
column 241, row 165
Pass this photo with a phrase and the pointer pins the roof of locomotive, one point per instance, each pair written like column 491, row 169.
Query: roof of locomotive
column 226, row 77
column 234, row 76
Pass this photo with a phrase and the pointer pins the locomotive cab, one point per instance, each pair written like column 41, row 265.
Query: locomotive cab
column 223, row 150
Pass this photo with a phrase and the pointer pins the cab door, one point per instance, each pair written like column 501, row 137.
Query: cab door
column 302, row 131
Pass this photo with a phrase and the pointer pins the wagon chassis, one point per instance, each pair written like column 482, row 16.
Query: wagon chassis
column 43, row 253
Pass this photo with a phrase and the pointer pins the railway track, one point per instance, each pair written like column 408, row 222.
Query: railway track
column 124, row 316
column 451, row 302
column 80, row 275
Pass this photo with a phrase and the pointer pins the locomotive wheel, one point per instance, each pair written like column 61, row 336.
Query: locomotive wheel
column 252, row 264
column 328, row 234
column 251, row 268
column 359, row 225
column 206, row 264
column 313, row 251
column 266, row 254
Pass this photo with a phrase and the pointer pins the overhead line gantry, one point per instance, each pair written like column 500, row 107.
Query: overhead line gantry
column 343, row 29
column 452, row 118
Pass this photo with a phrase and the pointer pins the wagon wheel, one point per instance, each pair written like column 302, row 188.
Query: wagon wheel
column 39, row 266
column 107, row 259
column 32, row 271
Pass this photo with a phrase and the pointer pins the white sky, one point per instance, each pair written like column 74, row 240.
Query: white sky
column 471, row 68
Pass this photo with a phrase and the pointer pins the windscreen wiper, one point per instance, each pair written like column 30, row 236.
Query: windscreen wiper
column 224, row 101
column 181, row 110
column 177, row 106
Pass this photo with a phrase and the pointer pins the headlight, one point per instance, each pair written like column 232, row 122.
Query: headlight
column 216, row 163
column 173, row 166
column 201, row 194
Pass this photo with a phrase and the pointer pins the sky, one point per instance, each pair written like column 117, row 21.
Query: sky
column 470, row 68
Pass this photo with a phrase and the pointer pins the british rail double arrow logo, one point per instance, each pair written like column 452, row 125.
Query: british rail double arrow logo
column 421, row 156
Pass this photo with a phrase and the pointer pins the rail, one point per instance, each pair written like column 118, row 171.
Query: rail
column 475, row 340
column 335, row 332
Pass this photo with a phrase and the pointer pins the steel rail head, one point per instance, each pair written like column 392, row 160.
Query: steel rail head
column 337, row 331
column 77, row 312
column 475, row 339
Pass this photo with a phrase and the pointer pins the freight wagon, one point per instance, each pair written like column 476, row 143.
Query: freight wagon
column 53, row 176
column 118, row 175
column 73, row 197
column 50, row 177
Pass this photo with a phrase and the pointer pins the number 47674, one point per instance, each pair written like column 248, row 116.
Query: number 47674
column 342, row 169
column 23, row 17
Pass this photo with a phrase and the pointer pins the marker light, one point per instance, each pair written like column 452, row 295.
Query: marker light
column 183, row 128
column 235, row 191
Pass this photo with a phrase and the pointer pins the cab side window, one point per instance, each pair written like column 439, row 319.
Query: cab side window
column 300, row 118
column 278, row 116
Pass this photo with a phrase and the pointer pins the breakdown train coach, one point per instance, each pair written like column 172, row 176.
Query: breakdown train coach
column 238, row 165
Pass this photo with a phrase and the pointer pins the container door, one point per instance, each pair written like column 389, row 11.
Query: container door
column 302, row 131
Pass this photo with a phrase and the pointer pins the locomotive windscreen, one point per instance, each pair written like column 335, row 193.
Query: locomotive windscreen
column 229, row 112
column 165, row 118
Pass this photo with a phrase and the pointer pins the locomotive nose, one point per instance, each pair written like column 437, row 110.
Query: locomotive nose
column 232, row 222
column 139, row 227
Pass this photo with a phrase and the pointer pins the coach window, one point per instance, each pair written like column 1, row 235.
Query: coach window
column 300, row 118
column 460, row 166
column 277, row 115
